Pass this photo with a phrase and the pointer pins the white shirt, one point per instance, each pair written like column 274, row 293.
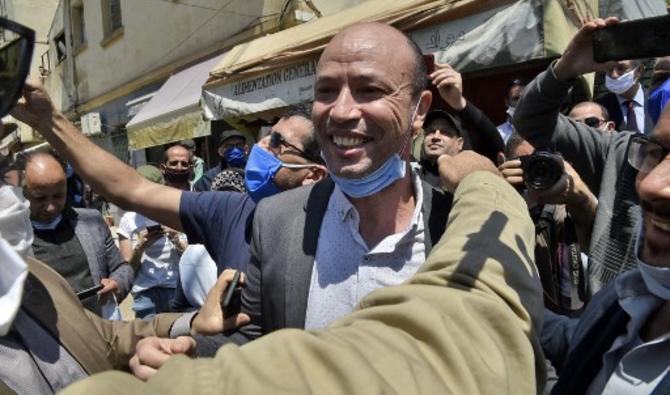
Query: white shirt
column 638, row 105
column 346, row 270
column 159, row 262
column 505, row 129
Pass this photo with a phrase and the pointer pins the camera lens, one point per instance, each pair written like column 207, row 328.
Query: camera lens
column 542, row 170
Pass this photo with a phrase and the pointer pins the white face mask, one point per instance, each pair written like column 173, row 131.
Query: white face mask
column 16, row 238
column 622, row 84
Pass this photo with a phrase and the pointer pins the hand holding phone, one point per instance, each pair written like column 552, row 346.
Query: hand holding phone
column 88, row 292
column 232, row 300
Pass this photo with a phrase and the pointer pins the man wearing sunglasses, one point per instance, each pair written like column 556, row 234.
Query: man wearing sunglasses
column 619, row 344
column 599, row 158
column 592, row 114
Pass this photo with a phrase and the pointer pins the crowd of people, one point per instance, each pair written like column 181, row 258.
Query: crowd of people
column 531, row 257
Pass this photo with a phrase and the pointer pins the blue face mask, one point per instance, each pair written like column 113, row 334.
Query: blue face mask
column 391, row 171
column 259, row 172
column 49, row 226
column 234, row 157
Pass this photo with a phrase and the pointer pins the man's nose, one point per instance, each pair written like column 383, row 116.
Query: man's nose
column 655, row 185
column 52, row 208
column 345, row 107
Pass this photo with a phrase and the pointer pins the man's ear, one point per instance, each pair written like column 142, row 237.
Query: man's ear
column 220, row 151
column 315, row 174
column 423, row 107
column 609, row 126
column 460, row 144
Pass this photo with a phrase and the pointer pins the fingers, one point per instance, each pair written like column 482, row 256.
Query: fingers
column 140, row 371
column 500, row 159
column 182, row 345
column 236, row 321
column 152, row 352
column 108, row 285
column 454, row 169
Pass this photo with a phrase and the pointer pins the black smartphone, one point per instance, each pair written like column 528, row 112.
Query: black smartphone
column 638, row 39
column 154, row 229
column 430, row 63
column 88, row 292
column 232, row 301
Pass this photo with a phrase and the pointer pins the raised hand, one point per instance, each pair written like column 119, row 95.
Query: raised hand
column 450, row 85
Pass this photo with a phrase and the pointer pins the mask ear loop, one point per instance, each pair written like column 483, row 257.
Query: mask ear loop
column 409, row 128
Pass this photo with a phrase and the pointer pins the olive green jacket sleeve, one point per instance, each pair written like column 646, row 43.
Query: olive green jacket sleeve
column 97, row 344
column 465, row 324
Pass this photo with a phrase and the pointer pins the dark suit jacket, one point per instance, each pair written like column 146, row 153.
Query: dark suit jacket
column 97, row 344
column 610, row 102
column 576, row 346
column 284, row 242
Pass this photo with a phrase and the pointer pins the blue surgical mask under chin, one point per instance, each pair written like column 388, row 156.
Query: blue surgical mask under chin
column 261, row 168
column 48, row 226
column 656, row 278
column 391, row 171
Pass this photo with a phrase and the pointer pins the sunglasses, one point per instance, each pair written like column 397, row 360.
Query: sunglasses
column 276, row 140
column 645, row 153
column 593, row 122
column 16, row 49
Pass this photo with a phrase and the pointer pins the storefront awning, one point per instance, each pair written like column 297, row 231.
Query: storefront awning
column 173, row 113
column 278, row 70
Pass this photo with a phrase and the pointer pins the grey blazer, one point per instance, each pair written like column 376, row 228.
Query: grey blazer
column 102, row 254
column 283, row 246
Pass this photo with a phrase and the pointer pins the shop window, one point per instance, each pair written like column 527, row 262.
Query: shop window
column 112, row 22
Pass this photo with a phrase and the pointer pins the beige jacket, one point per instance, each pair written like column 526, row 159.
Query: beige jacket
column 97, row 344
column 465, row 324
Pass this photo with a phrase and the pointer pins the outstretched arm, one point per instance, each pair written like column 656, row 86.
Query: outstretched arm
column 110, row 177
column 466, row 323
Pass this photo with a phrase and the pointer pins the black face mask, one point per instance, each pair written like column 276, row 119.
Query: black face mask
column 176, row 177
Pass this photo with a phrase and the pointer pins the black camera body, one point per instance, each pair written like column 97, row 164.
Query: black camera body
column 542, row 169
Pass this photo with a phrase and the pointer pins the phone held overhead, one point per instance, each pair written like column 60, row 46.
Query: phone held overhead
column 637, row 39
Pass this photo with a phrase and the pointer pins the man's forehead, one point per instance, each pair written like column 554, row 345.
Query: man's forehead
column 375, row 47
column 586, row 110
column 176, row 152
column 293, row 128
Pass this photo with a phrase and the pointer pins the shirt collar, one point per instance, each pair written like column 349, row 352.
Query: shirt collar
column 638, row 99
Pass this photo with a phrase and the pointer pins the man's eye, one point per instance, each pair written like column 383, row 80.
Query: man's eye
column 370, row 92
column 325, row 91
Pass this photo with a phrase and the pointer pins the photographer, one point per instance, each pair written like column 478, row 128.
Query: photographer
column 562, row 209
column 599, row 158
